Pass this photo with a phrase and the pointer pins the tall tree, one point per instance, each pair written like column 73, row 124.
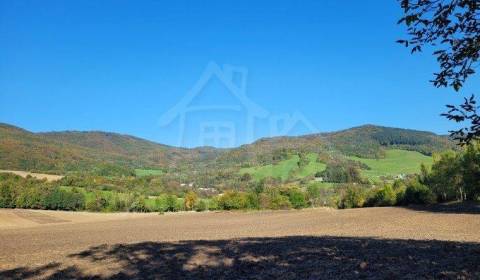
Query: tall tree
column 452, row 28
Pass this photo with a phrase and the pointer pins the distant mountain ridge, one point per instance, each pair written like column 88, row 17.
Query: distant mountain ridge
column 71, row 151
column 60, row 152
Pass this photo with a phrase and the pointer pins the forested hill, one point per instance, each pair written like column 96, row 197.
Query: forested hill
column 59, row 152
column 368, row 140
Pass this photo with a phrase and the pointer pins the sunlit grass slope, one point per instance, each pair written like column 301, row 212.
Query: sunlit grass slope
column 395, row 162
column 286, row 169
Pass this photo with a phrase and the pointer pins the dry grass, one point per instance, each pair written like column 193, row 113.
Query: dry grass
column 39, row 176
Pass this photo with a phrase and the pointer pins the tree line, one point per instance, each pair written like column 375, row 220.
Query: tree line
column 453, row 176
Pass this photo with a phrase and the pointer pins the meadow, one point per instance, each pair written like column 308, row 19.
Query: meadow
column 286, row 169
column 148, row 172
column 396, row 162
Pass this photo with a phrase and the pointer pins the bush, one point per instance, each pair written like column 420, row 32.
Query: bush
column 313, row 194
column 64, row 200
column 232, row 200
column 7, row 199
column 213, row 204
column 384, row 196
column 417, row 193
column 279, row 202
column 252, row 200
column 118, row 203
column 201, row 206
column 296, row 198
column 97, row 203
column 32, row 198
column 351, row 197
column 400, row 188
column 171, row 203
column 273, row 199
column 139, row 205
column 166, row 203
column 342, row 173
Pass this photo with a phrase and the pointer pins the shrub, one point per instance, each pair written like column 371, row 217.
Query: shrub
column 213, row 204
column 31, row 197
column 159, row 204
column 279, row 201
column 342, row 173
column 139, row 205
column 257, row 186
column 273, row 199
column 59, row 199
column 232, row 200
column 97, row 203
column 171, row 203
column 180, row 204
column 201, row 206
column 118, row 203
column 7, row 199
column 252, row 200
column 296, row 198
column 351, row 197
column 400, row 188
column 313, row 194
column 384, row 196
column 166, row 203
column 416, row 193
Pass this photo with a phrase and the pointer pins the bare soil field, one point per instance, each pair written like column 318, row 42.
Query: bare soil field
column 369, row 243
column 41, row 176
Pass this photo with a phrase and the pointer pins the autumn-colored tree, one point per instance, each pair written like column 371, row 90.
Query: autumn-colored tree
column 190, row 200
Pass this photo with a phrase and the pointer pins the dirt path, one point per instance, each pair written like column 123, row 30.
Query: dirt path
column 313, row 244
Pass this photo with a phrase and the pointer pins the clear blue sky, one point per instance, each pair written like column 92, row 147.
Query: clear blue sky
column 119, row 65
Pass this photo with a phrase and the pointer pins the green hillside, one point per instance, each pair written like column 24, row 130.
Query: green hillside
column 113, row 154
column 394, row 163
column 313, row 166
column 286, row 169
column 148, row 172
column 366, row 141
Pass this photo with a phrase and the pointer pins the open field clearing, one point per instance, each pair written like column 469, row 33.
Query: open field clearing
column 440, row 242
column 148, row 172
column 285, row 168
column 39, row 176
column 396, row 162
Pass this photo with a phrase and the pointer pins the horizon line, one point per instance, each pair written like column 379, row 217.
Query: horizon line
column 213, row 147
